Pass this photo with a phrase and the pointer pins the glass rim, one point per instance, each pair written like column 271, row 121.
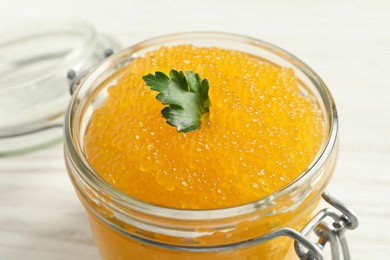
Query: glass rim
column 74, row 150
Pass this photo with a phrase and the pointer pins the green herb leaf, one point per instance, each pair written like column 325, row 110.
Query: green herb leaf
column 186, row 96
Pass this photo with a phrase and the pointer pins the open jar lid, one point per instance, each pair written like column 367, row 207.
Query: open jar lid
column 34, row 92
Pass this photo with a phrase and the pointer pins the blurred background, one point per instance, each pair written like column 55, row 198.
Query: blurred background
column 346, row 42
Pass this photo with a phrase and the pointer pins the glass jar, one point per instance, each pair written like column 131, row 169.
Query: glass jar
column 126, row 228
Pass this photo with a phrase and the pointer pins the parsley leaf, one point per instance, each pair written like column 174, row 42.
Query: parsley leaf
column 186, row 96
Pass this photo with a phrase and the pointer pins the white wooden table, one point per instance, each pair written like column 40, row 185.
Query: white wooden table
column 346, row 42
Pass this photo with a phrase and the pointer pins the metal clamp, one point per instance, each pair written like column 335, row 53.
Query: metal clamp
column 332, row 233
column 343, row 219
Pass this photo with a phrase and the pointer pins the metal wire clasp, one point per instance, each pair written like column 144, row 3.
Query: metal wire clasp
column 333, row 233
column 329, row 232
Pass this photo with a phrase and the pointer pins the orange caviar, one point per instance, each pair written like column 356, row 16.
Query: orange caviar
column 260, row 134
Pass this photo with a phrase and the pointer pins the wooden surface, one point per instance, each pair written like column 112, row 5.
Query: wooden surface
column 346, row 42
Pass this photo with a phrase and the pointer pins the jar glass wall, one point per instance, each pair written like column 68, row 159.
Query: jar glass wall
column 126, row 228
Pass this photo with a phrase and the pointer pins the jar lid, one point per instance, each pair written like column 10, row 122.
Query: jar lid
column 34, row 92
